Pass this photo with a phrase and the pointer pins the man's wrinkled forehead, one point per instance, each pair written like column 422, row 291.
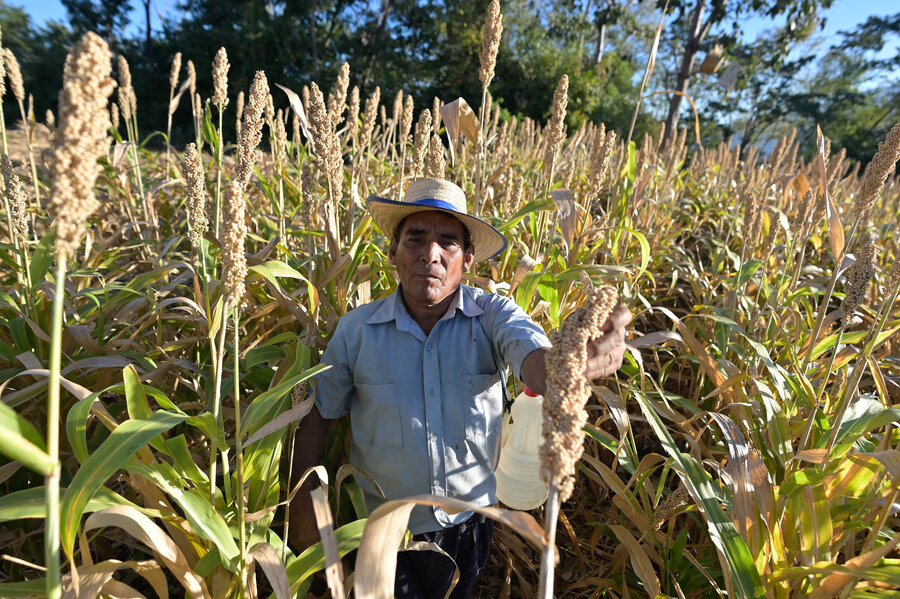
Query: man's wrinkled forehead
column 415, row 220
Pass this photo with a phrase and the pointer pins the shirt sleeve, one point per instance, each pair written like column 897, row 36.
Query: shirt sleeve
column 333, row 388
column 514, row 333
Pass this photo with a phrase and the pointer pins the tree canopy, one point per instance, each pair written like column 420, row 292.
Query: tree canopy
column 430, row 48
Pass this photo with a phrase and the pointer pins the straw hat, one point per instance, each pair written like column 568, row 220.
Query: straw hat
column 425, row 195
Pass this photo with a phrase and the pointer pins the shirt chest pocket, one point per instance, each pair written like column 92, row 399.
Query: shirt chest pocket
column 483, row 403
column 376, row 418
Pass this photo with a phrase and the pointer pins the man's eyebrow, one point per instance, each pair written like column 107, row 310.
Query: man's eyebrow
column 443, row 233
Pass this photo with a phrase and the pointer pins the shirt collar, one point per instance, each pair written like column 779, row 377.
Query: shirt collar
column 392, row 307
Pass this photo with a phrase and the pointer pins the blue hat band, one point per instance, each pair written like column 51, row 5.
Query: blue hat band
column 435, row 203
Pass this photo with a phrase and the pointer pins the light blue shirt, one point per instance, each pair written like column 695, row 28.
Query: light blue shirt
column 425, row 411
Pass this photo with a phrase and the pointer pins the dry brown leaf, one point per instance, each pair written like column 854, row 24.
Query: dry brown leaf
column 270, row 562
column 833, row 584
column 376, row 561
column 565, row 214
column 334, row 574
column 639, row 560
column 146, row 531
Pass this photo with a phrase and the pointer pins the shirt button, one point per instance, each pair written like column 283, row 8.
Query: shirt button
column 428, row 348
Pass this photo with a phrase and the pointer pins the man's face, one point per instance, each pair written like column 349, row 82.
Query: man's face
column 430, row 258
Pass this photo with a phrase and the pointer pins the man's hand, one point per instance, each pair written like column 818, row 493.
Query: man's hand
column 604, row 355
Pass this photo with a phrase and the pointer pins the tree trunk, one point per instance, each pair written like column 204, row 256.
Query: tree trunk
column 149, row 39
column 313, row 43
column 695, row 36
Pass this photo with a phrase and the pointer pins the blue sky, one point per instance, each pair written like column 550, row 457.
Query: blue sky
column 843, row 15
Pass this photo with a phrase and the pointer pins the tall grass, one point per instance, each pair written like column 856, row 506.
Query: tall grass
column 748, row 446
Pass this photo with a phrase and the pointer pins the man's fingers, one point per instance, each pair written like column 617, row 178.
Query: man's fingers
column 619, row 319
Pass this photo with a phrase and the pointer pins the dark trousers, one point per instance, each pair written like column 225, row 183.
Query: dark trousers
column 428, row 574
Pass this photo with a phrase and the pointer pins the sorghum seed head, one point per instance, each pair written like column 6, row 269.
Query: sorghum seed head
column 176, row 70
column 195, row 181
column 435, row 166
column 235, row 261
column 493, row 29
column 220, row 79
column 568, row 390
column 14, row 193
column 80, row 139
column 876, row 172
column 15, row 75
column 251, row 128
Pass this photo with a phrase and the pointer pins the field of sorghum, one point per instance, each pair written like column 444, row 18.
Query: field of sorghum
column 160, row 311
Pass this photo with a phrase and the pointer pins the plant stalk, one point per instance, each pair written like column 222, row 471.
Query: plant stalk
column 238, row 449
column 51, row 485
column 548, row 554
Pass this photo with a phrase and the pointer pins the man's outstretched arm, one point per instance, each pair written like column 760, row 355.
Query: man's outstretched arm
column 309, row 445
column 604, row 355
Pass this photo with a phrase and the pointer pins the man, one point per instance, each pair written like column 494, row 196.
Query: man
column 421, row 374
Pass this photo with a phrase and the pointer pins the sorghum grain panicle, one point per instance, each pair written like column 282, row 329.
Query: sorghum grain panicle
column 434, row 160
column 769, row 243
column 233, row 257
column 251, row 128
column 858, row 278
column 353, row 111
column 337, row 99
column 240, row 114
column 280, row 139
column 406, row 120
column 15, row 75
column 309, row 203
column 319, row 121
column 16, row 199
column 567, row 391
column 555, row 132
column 493, row 29
column 50, row 120
column 420, row 141
column 270, row 113
column 2, row 68
column 894, row 277
column 370, row 114
column 876, row 172
column 114, row 116
column 840, row 379
column 195, row 181
column 667, row 506
column 192, row 78
column 176, row 70
column 220, row 79
column 80, row 139
column 125, row 90
column 398, row 109
column 600, row 158
column 436, row 115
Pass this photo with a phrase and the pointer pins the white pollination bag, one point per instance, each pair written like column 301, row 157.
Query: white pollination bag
column 518, row 472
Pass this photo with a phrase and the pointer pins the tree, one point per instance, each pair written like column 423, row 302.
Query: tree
column 107, row 17
column 706, row 14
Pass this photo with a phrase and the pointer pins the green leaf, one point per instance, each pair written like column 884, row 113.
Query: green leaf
column 135, row 398
column 313, row 559
column 76, row 426
column 118, row 448
column 30, row 588
column 865, row 415
column 748, row 269
column 645, row 252
column 42, row 258
column 264, row 407
column 30, row 503
column 744, row 575
column 20, row 441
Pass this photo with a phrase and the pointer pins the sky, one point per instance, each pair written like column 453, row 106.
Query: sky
column 843, row 15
